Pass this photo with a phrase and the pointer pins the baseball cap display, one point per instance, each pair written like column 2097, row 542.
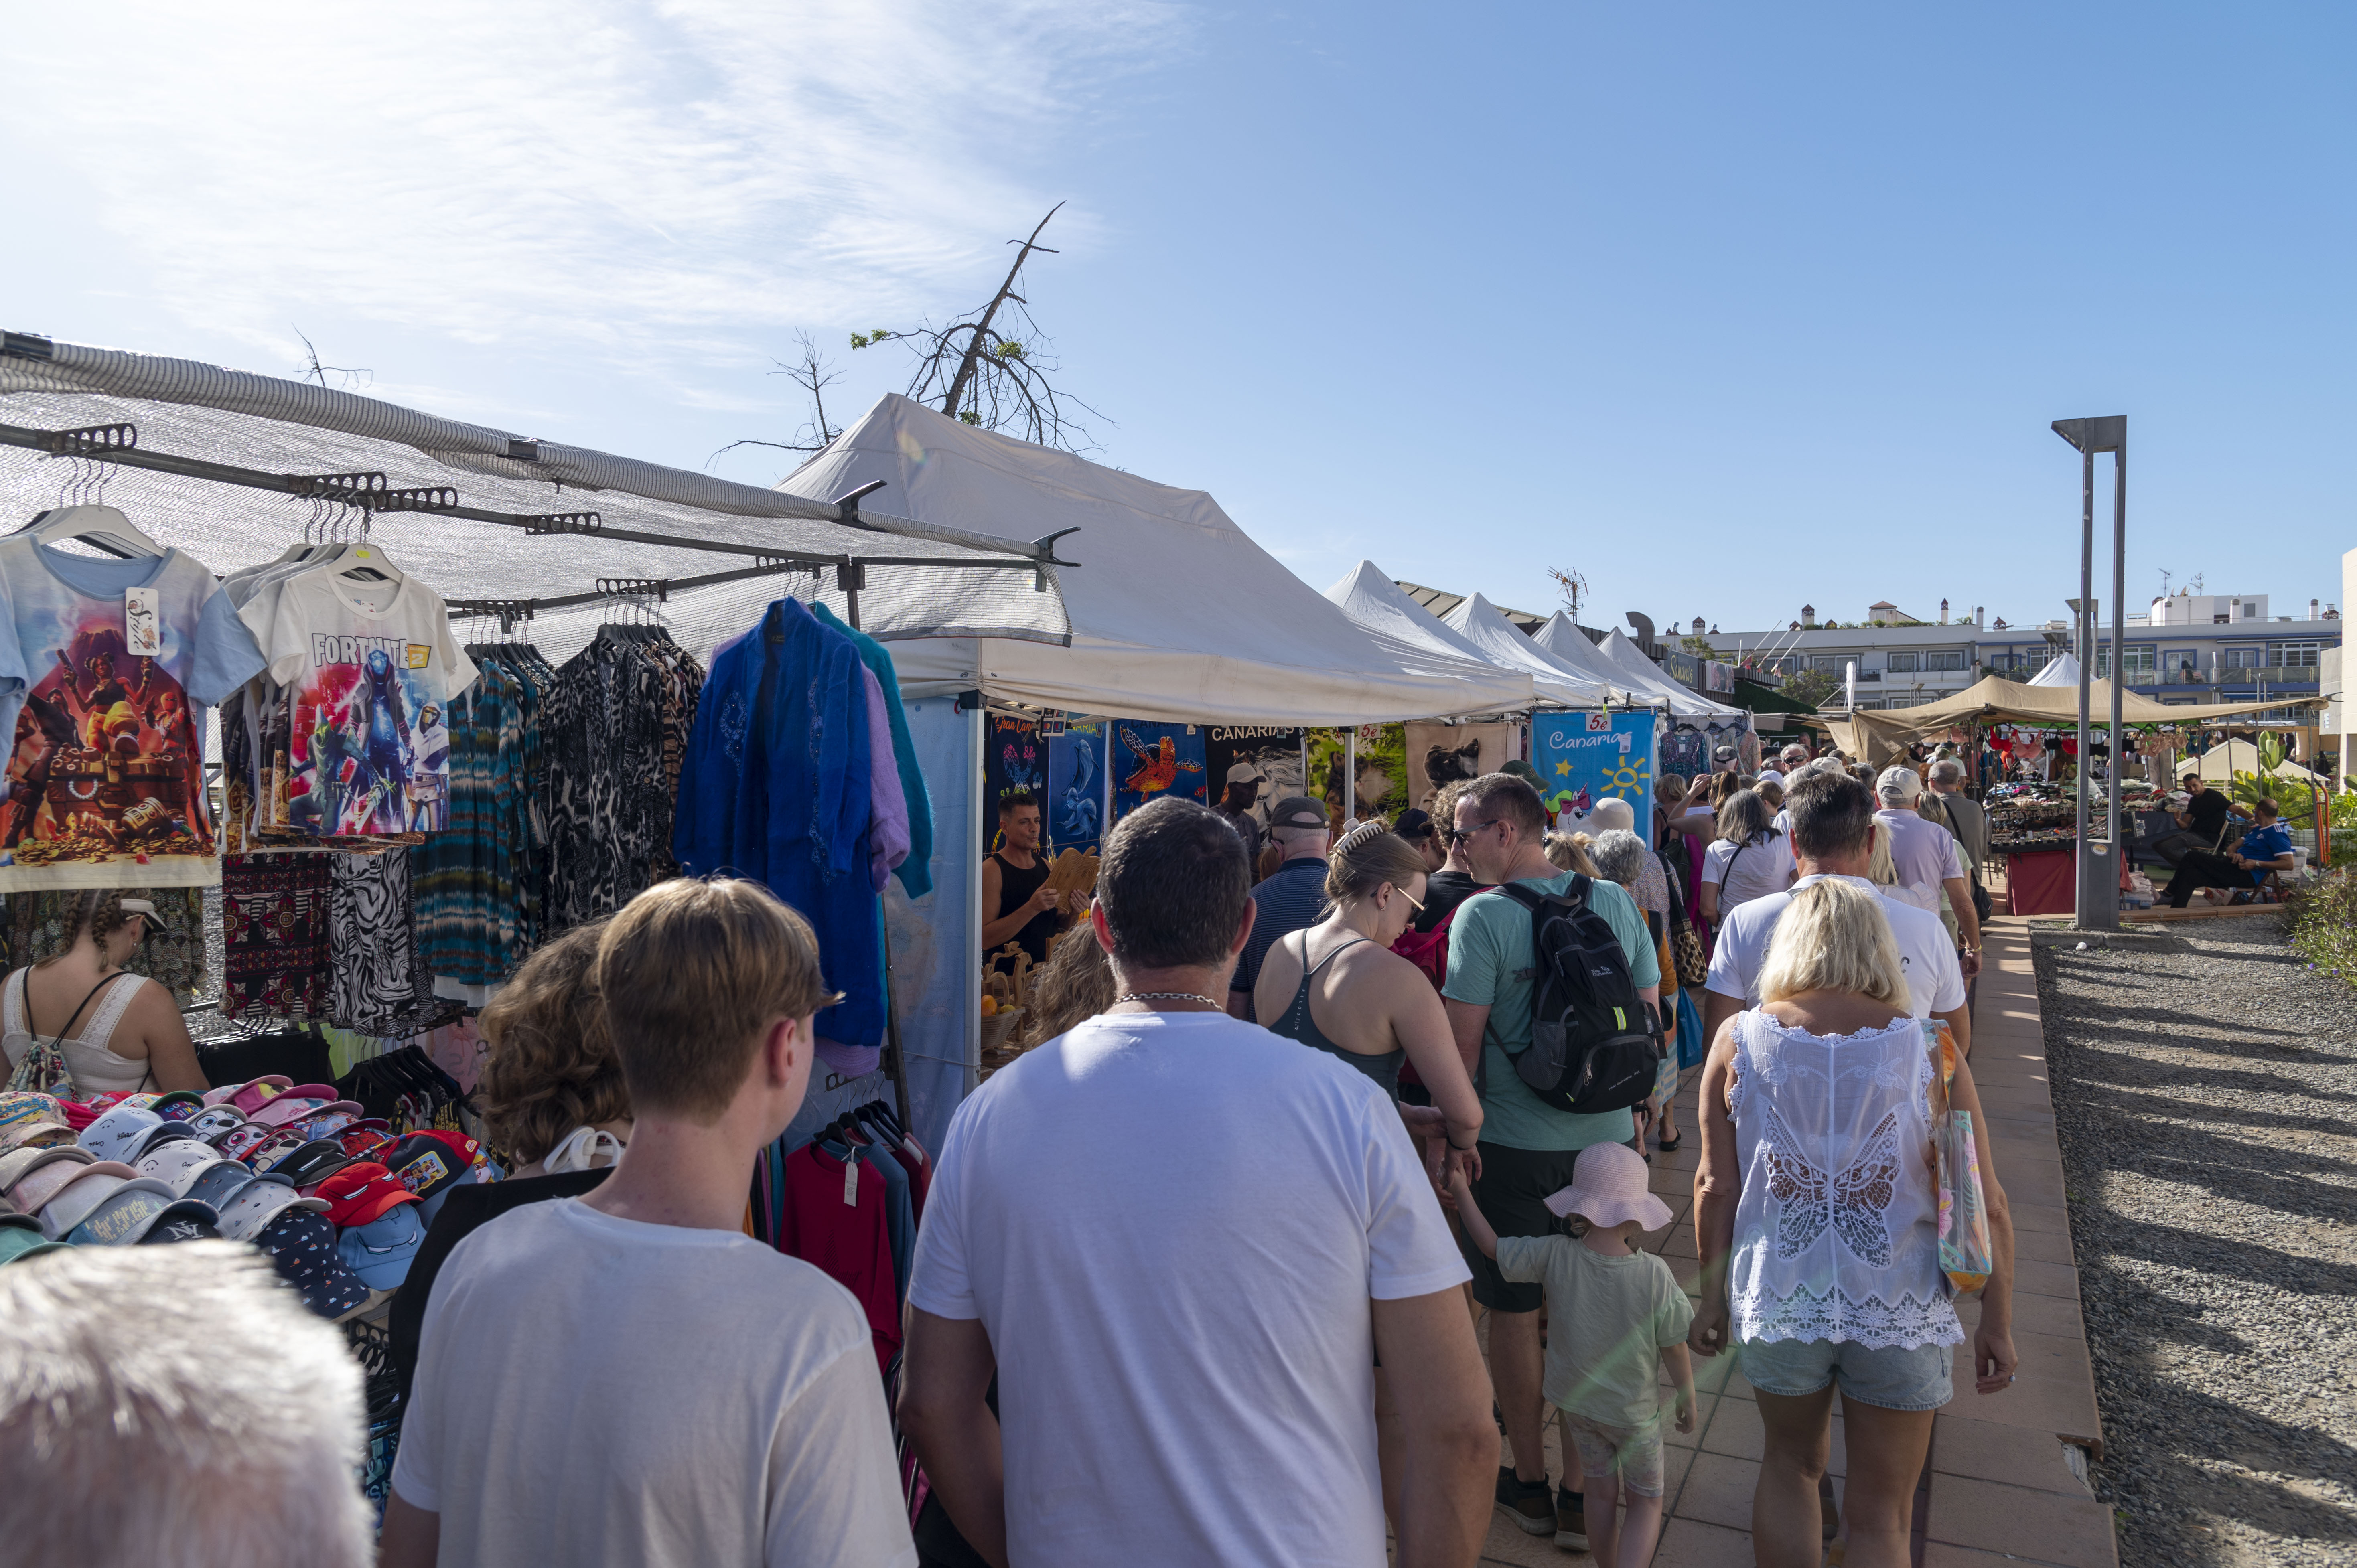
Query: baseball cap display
column 360, row 1194
column 80, row 1200
column 260, row 1201
column 218, row 1182
column 178, row 1164
column 135, row 1207
column 366, row 1140
column 251, row 1096
column 428, row 1166
column 20, row 1237
column 272, row 1149
column 116, row 1134
column 181, row 1105
column 34, row 1190
column 243, row 1140
column 379, row 1252
column 312, row 1163
column 215, row 1120
column 154, row 1138
column 27, row 1116
column 329, row 1121
column 18, row 1164
column 301, row 1246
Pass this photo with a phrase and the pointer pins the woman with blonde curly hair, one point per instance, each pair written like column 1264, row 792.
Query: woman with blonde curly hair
column 1073, row 987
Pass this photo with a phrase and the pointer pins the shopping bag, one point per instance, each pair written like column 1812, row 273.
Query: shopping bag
column 44, row 1071
column 1966, row 1258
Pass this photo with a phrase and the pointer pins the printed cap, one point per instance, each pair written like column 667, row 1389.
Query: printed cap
column 126, row 1215
column 381, row 1251
column 116, row 1134
column 34, row 1190
column 178, row 1164
column 243, row 1140
column 273, row 1148
column 181, row 1105
column 29, row 1117
column 288, row 1109
column 187, row 1220
column 329, row 1120
column 257, row 1203
column 312, row 1163
column 360, row 1194
column 218, row 1182
column 18, row 1164
column 301, row 1246
column 251, row 1096
column 154, row 1138
column 215, row 1120
column 83, row 1198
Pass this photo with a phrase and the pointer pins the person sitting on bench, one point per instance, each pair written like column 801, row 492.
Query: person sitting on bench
column 2266, row 848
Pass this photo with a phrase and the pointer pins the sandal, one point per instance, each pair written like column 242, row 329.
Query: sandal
column 1668, row 1146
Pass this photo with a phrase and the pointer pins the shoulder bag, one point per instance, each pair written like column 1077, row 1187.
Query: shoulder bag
column 1685, row 943
column 1966, row 1256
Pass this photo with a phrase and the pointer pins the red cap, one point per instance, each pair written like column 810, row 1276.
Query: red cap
column 462, row 1148
column 362, row 1194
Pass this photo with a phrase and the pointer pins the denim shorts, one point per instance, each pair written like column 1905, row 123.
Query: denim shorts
column 1892, row 1378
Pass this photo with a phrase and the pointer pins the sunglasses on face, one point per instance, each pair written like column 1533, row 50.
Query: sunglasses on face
column 1458, row 835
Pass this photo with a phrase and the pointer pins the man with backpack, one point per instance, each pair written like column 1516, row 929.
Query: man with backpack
column 1495, row 993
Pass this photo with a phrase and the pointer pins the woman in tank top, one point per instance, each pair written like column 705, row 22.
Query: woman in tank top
column 118, row 1032
column 1337, row 987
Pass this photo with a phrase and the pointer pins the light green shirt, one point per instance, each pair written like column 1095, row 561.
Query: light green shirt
column 1489, row 964
column 1608, row 1319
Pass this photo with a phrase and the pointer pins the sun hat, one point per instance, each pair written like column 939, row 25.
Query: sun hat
column 381, row 1250
column 34, row 1190
column 178, row 1164
column 95, row 1184
column 1608, row 1187
column 302, row 1246
column 1611, row 813
column 20, row 1237
column 260, row 1201
column 18, row 1164
column 29, row 1116
column 114, row 1134
column 127, row 1215
column 362, row 1194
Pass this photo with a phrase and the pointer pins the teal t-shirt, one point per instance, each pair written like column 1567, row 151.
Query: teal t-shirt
column 1490, row 963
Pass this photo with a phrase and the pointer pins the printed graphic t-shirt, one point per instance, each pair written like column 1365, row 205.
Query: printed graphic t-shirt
column 106, row 774
column 372, row 667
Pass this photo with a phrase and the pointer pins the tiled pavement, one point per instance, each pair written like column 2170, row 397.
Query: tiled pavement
column 1999, row 1488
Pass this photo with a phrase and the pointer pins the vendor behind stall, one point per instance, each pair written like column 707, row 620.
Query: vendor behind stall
column 1018, row 904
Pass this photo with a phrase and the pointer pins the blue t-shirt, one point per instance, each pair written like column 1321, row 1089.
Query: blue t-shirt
column 1291, row 900
column 2263, row 845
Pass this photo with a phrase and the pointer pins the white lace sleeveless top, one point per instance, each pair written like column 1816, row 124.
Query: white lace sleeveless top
column 1837, row 1230
column 96, row 1069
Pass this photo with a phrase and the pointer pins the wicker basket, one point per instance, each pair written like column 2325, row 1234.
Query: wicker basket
column 997, row 1029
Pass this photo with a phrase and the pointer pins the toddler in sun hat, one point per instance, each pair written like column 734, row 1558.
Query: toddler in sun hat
column 1614, row 1313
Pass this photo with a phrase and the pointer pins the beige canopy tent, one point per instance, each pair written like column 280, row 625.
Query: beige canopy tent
column 1875, row 735
column 2222, row 762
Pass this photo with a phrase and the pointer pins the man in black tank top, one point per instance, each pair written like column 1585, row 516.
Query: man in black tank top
column 1017, row 906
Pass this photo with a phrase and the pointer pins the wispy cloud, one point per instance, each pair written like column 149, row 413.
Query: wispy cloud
column 651, row 181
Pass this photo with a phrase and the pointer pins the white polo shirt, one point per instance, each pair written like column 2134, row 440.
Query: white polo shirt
column 1935, row 983
column 1924, row 852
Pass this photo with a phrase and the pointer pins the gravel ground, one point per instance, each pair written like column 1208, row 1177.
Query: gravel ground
column 2204, row 1086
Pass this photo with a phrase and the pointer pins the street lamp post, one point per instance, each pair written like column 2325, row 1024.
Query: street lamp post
column 2098, row 901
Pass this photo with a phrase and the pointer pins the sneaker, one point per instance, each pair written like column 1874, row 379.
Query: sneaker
column 1530, row 1504
column 1571, row 1521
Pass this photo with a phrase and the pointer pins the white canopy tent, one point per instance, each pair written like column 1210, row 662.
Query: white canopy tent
column 1626, row 657
column 1477, row 620
column 1418, row 642
column 2062, row 670
column 1562, row 637
column 1176, row 614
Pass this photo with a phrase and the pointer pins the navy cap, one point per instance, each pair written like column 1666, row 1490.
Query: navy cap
column 217, row 1184
column 312, row 1163
column 302, row 1244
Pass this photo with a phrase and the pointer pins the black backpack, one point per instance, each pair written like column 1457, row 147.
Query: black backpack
column 1592, row 1046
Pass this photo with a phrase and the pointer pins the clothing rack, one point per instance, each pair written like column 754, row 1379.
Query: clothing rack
column 371, row 492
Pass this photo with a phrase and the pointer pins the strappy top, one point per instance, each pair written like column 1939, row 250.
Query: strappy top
column 1837, row 1226
column 96, row 1069
column 1297, row 1024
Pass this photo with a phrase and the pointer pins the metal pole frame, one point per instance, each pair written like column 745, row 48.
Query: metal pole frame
column 2087, row 884
column 2096, row 897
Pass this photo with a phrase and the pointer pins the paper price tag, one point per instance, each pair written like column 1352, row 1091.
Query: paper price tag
column 851, row 1182
column 143, row 628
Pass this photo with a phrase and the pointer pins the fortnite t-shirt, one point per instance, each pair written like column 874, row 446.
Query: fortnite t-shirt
column 371, row 668
column 105, row 776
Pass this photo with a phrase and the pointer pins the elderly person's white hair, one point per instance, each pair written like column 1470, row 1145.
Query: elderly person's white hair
column 1619, row 854
column 1947, row 770
column 175, row 1405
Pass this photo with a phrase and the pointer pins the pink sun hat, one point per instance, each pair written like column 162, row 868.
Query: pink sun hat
column 1608, row 1187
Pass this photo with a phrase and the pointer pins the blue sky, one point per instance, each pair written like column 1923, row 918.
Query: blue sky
column 1728, row 307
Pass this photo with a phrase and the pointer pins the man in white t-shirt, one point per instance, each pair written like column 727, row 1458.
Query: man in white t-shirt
column 1834, row 826
column 1181, row 1243
column 1928, row 859
column 628, row 1378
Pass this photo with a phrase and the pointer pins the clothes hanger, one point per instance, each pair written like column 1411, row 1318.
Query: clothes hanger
column 82, row 514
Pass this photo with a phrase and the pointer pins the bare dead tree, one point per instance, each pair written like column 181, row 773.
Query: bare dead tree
column 318, row 373
column 814, row 375
column 991, row 370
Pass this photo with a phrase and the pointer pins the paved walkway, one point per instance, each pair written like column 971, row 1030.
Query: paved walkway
column 1999, row 1488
